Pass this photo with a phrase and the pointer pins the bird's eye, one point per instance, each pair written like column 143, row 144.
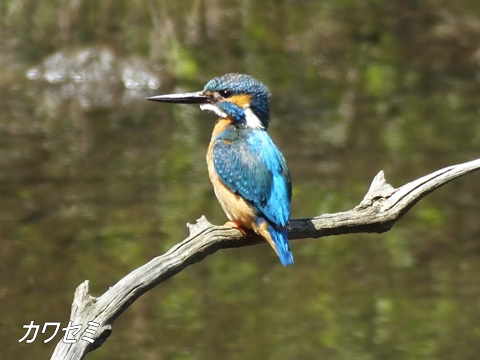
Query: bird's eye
column 225, row 93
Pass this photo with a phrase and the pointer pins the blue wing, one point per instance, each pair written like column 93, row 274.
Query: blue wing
column 250, row 165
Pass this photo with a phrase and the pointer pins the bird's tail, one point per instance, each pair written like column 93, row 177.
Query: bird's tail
column 278, row 239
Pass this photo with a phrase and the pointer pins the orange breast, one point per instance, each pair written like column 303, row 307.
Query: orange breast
column 234, row 206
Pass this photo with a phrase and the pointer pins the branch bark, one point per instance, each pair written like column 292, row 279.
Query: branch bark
column 381, row 208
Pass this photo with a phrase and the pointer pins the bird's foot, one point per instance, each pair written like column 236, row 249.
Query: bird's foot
column 236, row 225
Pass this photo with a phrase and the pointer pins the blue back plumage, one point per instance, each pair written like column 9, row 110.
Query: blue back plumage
column 250, row 165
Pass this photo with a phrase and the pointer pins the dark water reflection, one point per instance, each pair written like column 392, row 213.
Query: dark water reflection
column 95, row 181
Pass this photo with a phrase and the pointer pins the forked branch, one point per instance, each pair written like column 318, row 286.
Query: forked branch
column 381, row 207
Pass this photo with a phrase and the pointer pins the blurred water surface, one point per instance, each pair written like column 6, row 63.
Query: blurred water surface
column 95, row 181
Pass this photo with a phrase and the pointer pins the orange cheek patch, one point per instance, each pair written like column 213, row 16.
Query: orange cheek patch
column 241, row 100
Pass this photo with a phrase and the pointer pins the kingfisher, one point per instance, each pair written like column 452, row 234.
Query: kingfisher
column 248, row 173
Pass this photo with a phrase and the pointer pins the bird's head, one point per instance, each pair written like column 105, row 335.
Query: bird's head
column 238, row 97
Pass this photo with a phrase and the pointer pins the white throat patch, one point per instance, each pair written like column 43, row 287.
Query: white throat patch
column 252, row 120
column 213, row 108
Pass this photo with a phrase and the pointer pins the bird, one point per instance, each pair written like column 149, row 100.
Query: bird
column 248, row 172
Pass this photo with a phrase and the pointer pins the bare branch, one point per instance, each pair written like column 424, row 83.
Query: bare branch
column 381, row 207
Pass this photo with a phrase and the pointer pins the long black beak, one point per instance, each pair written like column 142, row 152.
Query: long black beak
column 187, row 98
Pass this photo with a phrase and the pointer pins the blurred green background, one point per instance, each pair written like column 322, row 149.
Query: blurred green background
column 95, row 181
